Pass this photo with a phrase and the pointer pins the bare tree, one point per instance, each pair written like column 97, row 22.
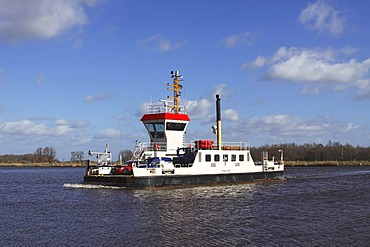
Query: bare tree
column 47, row 154
column 77, row 156
column 125, row 155
column 38, row 155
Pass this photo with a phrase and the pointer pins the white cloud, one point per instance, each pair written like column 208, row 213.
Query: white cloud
column 23, row 127
column 199, row 109
column 230, row 114
column 160, row 43
column 289, row 129
column 108, row 134
column 220, row 89
column 239, row 40
column 75, row 125
column 322, row 17
column 40, row 79
column 257, row 63
column 311, row 65
column 61, row 127
column 40, row 19
column 79, row 124
column 203, row 109
column 98, row 97
column 61, row 122
column 320, row 68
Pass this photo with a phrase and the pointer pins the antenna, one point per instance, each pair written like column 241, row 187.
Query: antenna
column 175, row 87
column 165, row 102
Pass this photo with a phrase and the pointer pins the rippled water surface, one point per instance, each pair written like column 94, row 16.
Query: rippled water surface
column 327, row 206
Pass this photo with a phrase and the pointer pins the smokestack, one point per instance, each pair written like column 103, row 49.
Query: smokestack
column 218, row 119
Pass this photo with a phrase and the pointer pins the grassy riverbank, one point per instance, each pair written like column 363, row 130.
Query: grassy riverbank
column 56, row 164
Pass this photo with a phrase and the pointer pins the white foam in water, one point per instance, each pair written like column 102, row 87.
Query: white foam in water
column 89, row 186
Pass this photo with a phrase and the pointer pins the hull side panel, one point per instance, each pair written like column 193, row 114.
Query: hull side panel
column 173, row 180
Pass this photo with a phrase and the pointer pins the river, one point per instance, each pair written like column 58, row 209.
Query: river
column 313, row 206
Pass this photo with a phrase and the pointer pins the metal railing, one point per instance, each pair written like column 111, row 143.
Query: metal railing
column 154, row 109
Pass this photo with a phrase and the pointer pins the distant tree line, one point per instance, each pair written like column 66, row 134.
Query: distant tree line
column 332, row 151
column 41, row 155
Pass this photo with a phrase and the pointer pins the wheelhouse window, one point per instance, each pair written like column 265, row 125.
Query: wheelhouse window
column 175, row 126
column 156, row 130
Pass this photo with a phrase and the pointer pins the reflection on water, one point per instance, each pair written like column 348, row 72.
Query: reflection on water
column 325, row 206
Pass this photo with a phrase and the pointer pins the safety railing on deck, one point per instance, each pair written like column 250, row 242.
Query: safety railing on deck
column 235, row 146
column 154, row 109
column 162, row 146
column 151, row 146
column 211, row 145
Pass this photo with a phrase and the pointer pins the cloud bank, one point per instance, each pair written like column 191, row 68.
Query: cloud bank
column 317, row 69
column 40, row 19
column 288, row 128
column 322, row 17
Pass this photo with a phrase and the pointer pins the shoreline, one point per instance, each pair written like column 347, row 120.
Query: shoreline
column 57, row 164
column 287, row 164
column 325, row 163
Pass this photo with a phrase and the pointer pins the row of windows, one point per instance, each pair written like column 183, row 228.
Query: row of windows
column 159, row 127
column 225, row 157
column 156, row 130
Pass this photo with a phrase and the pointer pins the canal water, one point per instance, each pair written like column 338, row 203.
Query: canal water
column 326, row 206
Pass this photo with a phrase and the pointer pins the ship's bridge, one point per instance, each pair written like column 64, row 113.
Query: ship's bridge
column 166, row 128
column 166, row 123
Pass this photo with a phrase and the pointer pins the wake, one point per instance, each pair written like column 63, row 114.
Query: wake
column 89, row 186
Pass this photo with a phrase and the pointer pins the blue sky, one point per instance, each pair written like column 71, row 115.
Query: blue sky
column 75, row 75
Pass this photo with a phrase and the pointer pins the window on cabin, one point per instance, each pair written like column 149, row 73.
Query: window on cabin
column 225, row 157
column 217, row 157
column 233, row 157
column 241, row 157
column 208, row 157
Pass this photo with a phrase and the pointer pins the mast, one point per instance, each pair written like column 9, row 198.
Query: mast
column 218, row 119
column 175, row 87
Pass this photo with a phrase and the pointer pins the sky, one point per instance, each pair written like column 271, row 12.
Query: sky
column 76, row 74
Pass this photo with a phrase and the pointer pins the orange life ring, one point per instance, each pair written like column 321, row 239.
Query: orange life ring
column 156, row 147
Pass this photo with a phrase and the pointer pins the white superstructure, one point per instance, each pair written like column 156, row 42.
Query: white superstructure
column 166, row 125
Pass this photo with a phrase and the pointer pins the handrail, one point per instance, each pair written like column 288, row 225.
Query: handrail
column 155, row 109
column 162, row 146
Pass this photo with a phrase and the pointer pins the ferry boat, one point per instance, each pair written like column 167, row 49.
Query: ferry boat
column 167, row 160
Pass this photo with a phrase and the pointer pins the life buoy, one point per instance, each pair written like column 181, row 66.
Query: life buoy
column 156, row 147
